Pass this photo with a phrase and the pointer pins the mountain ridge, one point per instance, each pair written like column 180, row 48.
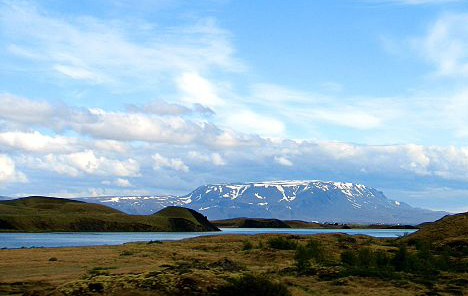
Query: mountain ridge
column 308, row 200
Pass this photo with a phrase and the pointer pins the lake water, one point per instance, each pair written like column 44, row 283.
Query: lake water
column 69, row 239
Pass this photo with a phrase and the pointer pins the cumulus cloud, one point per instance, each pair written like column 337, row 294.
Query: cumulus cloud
column 8, row 172
column 197, row 89
column 159, row 107
column 82, row 163
column 172, row 163
column 119, row 182
column 36, row 142
column 215, row 158
column 28, row 112
column 23, row 110
column 247, row 121
column 109, row 129
column 283, row 161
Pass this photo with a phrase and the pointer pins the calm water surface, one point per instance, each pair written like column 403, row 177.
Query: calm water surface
column 69, row 239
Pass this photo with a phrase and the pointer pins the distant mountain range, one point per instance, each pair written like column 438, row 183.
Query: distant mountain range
column 308, row 200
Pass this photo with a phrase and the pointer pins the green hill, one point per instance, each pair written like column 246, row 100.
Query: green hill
column 43, row 214
column 44, row 205
column 449, row 230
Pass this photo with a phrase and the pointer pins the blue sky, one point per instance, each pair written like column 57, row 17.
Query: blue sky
column 112, row 97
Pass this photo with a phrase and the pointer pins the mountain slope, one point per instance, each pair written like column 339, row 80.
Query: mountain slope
column 38, row 214
column 305, row 200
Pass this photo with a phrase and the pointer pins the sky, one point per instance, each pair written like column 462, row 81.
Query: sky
column 159, row 97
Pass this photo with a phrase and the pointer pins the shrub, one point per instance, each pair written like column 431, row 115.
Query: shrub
column 349, row 258
column 126, row 253
column 302, row 260
column 100, row 270
column 443, row 261
column 382, row 260
column 315, row 250
column 400, row 261
column 154, row 242
column 365, row 257
column 247, row 246
column 251, row 285
column 281, row 243
column 304, row 254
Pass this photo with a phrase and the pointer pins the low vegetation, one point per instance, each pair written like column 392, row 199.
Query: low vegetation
column 423, row 263
column 252, row 285
column 264, row 264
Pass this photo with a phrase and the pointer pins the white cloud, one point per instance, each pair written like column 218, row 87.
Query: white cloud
column 36, row 142
column 109, row 129
column 78, row 73
column 251, row 122
column 160, row 107
column 446, row 44
column 20, row 109
column 105, row 51
column 351, row 117
column 215, row 158
column 8, row 172
column 119, row 182
column 123, row 182
column 136, row 126
column 283, row 160
column 82, row 163
column 109, row 145
column 449, row 163
column 173, row 163
column 308, row 109
column 197, row 89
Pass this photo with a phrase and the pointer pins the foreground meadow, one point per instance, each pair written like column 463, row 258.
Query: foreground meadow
column 263, row 264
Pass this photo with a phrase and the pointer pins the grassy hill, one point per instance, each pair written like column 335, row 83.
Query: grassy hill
column 43, row 214
column 451, row 229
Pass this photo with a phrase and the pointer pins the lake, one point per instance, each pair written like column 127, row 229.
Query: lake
column 70, row 239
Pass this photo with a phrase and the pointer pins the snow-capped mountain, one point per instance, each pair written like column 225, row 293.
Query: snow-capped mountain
column 138, row 205
column 310, row 200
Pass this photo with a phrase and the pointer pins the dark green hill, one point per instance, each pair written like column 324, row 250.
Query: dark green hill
column 251, row 223
column 179, row 217
column 43, row 214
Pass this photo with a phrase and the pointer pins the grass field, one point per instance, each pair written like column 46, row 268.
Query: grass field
column 207, row 265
